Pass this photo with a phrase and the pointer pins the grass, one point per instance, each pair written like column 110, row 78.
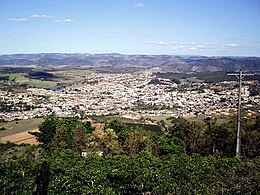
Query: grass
column 131, row 123
column 14, row 127
column 106, row 118
column 220, row 119
column 71, row 77
column 22, row 79
column 153, row 128
column 197, row 119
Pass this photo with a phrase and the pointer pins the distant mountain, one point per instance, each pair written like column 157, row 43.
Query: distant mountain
column 114, row 61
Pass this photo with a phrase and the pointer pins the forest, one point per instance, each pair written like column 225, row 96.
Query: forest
column 188, row 157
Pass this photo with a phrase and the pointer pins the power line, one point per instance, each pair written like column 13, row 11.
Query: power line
column 240, row 77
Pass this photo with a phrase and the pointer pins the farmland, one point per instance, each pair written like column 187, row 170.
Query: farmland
column 19, row 126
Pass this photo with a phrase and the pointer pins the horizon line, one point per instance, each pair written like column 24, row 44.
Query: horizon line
column 32, row 53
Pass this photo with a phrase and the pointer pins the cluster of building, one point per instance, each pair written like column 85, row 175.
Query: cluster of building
column 130, row 95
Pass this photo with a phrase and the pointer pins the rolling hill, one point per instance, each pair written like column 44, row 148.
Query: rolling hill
column 116, row 62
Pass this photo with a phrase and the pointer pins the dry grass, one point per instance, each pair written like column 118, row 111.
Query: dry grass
column 15, row 127
column 20, row 138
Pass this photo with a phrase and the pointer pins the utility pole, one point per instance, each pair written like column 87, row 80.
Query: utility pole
column 240, row 77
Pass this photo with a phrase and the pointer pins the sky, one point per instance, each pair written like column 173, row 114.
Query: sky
column 173, row 27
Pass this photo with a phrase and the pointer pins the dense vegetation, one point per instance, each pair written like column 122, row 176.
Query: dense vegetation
column 208, row 77
column 189, row 158
column 41, row 75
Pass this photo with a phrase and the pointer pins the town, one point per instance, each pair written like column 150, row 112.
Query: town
column 129, row 95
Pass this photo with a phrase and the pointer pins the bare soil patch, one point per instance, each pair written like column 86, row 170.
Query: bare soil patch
column 20, row 138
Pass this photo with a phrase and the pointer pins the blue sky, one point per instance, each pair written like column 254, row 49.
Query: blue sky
column 196, row 27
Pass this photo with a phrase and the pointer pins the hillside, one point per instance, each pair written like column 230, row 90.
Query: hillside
column 117, row 62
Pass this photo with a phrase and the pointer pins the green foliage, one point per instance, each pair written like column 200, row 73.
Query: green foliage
column 11, row 151
column 172, row 145
column 189, row 132
column 220, row 140
column 42, row 177
column 209, row 139
column 251, row 138
column 141, row 163
column 102, row 142
column 137, row 141
column 61, row 133
column 120, row 129
column 208, row 77
column 6, row 146
column 17, row 177
column 47, row 131
column 116, row 125
column 67, row 172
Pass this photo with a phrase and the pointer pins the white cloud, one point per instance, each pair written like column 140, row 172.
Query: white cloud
column 161, row 43
column 182, row 46
column 204, row 46
column 230, row 45
column 42, row 16
column 192, row 46
column 18, row 19
column 138, row 5
column 68, row 20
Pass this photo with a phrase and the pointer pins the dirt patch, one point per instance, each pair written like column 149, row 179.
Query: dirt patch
column 15, row 127
column 20, row 138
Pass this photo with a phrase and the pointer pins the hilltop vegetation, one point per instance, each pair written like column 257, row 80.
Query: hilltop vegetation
column 213, row 77
column 189, row 158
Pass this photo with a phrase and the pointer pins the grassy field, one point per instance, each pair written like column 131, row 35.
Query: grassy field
column 130, row 123
column 159, row 118
column 153, row 128
column 72, row 76
column 198, row 119
column 220, row 119
column 107, row 118
column 14, row 127
column 20, row 78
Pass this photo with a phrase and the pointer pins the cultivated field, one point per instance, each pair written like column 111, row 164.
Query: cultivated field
column 17, row 131
column 20, row 138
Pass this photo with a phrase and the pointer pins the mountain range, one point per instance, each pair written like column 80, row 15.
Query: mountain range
column 114, row 61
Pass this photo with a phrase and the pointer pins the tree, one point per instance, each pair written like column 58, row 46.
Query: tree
column 103, row 141
column 42, row 177
column 171, row 145
column 137, row 141
column 189, row 132
column 47, row 131
column 61, row 133
column 251, row 137
column 116, row 125
column 17, row 177
column 220, row 140
column 119, row 128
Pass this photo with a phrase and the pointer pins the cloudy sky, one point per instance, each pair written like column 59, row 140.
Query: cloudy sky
column 196, row 27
